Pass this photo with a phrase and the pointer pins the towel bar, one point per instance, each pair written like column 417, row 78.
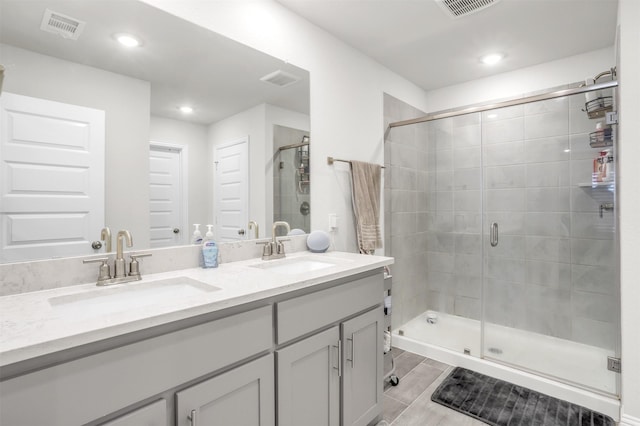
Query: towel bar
column 331, row 160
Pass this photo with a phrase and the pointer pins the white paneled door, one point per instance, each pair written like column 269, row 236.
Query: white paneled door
column 51, row 178
column 231, row 190
column 167, row 192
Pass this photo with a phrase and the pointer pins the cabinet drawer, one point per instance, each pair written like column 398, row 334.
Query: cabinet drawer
column 154, row 414
column 89, row 388
column 304, row 314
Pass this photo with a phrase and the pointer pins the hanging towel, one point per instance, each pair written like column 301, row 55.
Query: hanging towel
column 365, row 195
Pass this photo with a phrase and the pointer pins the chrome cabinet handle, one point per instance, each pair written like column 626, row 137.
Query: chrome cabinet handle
column 353, row 350
column 339, row 367
column 192, row 417
column 176, row 230
column 240, row 231
column 493, row 234
column 97, row 245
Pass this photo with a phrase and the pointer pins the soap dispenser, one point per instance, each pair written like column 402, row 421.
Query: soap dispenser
column 209, row 250
column 209, row 235
column 197, row 235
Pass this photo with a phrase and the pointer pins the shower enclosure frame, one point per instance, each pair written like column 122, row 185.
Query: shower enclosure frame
column 460, row 360
column 507, row 103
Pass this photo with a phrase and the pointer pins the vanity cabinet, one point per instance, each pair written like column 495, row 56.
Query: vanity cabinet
column 94, row 388
column 332, row 377
column 362, row 369
column 324, row 347
column 242, row 396
column 154, row 414
column 309, row 381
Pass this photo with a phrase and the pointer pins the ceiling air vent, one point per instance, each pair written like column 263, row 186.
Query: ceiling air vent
column 460, row 8
column 65, row 26
column 280, row 78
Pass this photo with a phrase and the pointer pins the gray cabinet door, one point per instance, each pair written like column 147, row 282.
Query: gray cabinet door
column 243, row 396
column 308, row 381
column 362, row 368
column 154, row 414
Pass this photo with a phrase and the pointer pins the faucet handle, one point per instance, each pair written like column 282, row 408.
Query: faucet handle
column 267, row 250
column 104, row 273
column 280, row 247
column 134, row 265
column 135, row 256
column 96, row 260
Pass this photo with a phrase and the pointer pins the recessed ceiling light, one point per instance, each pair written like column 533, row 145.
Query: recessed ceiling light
column 186, row 109
column 492, row 58
column 127, row 40
column 492, row 115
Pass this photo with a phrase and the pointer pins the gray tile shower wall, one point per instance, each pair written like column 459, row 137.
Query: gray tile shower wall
column 406, row 210
column 553, row 269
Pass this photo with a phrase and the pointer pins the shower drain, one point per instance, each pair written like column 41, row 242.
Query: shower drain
column 496, row 351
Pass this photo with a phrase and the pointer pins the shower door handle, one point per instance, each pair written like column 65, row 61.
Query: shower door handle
column 493, row 234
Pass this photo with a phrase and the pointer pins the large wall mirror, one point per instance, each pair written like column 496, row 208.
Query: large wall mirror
column 93, row 134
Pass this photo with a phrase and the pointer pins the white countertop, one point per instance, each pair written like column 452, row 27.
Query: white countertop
column 32, row 326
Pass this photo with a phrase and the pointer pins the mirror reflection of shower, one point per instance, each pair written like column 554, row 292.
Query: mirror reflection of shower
column 292, row 178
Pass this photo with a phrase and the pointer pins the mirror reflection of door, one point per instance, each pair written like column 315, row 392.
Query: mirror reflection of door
column 167, row 194
column 292, row 178
column 52, row 185
column 231, row 190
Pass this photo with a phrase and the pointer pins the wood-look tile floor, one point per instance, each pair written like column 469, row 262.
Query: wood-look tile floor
column 410, row 403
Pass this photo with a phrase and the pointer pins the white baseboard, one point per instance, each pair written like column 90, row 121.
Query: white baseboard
column 627, row 420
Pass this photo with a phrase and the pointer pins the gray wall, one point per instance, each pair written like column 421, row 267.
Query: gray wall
column 126, row 103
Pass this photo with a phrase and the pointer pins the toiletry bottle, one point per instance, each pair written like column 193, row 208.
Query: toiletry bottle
column 197, row 235
column 610, row 171
column 209, row 234
column 209, row 250
column 599, row 167
column 599, row 132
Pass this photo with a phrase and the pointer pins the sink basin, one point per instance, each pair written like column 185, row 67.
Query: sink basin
column 294, row 266
column 106, row 300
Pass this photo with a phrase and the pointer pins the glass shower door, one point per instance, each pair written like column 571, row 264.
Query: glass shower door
column 436, row 231
column 550, row 281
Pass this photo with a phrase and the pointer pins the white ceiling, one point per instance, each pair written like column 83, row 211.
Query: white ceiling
column 184, row 63
column 419, row 41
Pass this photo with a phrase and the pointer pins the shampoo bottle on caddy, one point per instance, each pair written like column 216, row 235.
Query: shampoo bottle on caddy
column 209, row 250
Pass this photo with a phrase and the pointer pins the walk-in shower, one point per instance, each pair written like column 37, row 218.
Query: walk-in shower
column 503, row 227
column 292, row 178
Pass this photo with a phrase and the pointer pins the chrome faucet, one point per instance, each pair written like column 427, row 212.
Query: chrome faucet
column 274, row 249
column 120, row 271
column 253, row 224
column 105, row 235
column 276, row 225
column 119, row 268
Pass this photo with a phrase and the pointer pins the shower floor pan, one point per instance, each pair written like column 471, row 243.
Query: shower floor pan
column 561, row 368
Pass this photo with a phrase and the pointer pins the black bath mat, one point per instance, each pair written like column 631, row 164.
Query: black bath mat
column 500, row 403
